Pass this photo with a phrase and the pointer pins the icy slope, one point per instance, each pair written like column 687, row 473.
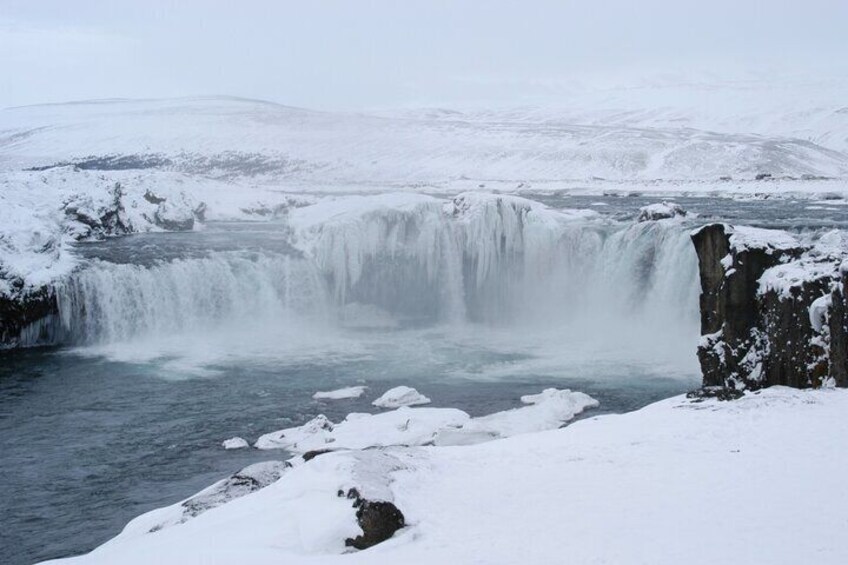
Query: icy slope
column 676, row 482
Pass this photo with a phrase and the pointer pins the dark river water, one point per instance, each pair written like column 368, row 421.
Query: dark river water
column 94, row 434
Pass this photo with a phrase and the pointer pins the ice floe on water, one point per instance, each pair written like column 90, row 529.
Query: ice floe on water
column 235, row 443
column 407, row 426
column 341, row 393
column 401, row 396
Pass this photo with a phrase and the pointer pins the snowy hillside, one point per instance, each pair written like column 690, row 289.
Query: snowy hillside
column 618, row 135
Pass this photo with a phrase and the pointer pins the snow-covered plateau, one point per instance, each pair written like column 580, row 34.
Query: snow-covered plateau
column 680, row 481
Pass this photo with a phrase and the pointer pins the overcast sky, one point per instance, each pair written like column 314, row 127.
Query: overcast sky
column 366, row 54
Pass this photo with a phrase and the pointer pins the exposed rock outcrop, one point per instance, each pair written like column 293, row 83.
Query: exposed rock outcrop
column 838, row 330
column 772, row 309
column 661, row 211
column 28, row 317
column 379, row 520
column 88, row 218
column 35, row 264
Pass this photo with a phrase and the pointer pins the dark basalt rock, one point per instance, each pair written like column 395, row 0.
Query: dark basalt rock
column 792, row 358
column 310, row 455
column 379, row 520
column 728, row 302
column 838, row 333
column 717, row 392
column 28, row 318
column 108, row 220
column 753, row 337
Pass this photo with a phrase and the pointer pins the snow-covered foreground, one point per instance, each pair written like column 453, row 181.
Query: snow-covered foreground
column 757, row 480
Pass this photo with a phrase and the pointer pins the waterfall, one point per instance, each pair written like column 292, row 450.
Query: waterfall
column 482, row 259
column 109, row 302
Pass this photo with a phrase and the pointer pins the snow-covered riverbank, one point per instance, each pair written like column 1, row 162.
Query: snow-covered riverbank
column 757, row 480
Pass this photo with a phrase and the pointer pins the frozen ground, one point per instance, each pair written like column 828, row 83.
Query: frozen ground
column 676, row 482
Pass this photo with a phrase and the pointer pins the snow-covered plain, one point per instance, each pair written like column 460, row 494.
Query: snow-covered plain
column 679, row 481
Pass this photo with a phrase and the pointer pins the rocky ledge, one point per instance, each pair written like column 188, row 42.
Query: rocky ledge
column 773, row 309
column 42, row 217
column 28, row 317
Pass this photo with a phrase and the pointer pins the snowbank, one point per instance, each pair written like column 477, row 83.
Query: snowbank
column 400, row 396
column 643, row 487
column 547, row 410
column 746, row 237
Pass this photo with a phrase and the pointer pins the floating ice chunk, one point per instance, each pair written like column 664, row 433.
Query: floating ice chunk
column 407, row 426
column 341, row 393
column 401, row 396
column 315, row 433
column 404, row 426
column 235, row 443
column 547, row 410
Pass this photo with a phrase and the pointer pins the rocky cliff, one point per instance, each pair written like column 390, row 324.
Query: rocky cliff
column 28, row 318
column 773, row 310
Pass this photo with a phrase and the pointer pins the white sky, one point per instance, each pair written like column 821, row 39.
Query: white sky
column 364, row 54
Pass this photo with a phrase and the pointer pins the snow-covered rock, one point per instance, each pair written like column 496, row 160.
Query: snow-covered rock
column 401, row 396
column 341, row 393
column 547, row 410
column 660, row 211
column 235, row 443
column 312, row 435
column 246, row 481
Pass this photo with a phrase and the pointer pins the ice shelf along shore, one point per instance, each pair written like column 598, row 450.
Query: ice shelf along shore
column 631, row 488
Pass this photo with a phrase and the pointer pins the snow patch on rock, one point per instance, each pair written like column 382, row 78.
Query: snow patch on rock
column 660, row 211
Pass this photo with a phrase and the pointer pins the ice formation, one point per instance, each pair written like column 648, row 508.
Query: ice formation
column 400, row 396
